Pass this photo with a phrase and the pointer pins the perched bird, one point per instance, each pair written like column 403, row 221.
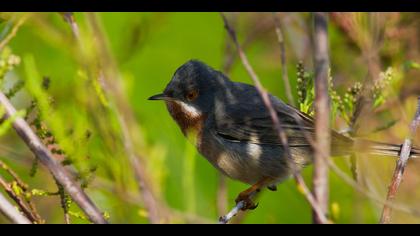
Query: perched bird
column 231, row 127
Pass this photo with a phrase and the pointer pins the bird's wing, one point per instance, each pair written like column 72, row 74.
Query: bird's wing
column 250, row 122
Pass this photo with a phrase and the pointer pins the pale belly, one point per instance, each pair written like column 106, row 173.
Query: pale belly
column 247, row 163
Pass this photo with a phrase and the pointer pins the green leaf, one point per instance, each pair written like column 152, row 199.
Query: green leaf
column 411, row 65
column 5, row 126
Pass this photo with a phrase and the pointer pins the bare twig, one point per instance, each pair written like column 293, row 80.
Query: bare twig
column 322, row 111
column 264, row 95
column 226, row 218
column 285, row 76
column 259, row 29
column 32, row 209
column 136, row 200
column 350, row 181
column 222, row 190
column 221, row 194
column 18, row 180
column 298, row 177
column 19, row 201
column 124, row 115
column 7, row 209
column 399, row 169
column 69, row 18
column 46, row 158
column 106, row 68
column 12, row 33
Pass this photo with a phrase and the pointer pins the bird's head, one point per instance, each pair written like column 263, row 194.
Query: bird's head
column 193, row 88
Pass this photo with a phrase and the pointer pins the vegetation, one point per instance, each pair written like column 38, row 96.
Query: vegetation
column 81, row 81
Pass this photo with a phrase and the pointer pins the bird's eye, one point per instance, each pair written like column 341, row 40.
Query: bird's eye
column 192, row 95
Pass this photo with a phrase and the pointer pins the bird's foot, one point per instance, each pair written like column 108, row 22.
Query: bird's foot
column 247, row 195
column 246, row 198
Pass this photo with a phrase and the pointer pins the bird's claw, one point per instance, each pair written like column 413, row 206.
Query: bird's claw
column 248, row 204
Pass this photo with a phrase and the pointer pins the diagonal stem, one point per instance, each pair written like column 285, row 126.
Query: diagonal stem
column 58, row 171
column 399, row 169
column 8, row 210
column 277, row 125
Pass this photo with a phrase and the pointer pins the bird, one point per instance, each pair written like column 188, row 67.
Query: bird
column 230, row 126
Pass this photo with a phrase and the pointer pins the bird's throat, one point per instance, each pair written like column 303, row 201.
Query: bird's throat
column 188, row 118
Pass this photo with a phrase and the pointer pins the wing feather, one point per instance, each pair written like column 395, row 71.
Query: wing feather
column 250, row 122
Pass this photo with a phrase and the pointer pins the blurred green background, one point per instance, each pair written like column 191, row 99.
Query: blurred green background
column 145, row 49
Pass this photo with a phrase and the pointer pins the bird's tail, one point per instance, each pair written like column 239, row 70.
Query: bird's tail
column 385, row 149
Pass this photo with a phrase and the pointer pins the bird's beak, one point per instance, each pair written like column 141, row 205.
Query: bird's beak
column 160, row 97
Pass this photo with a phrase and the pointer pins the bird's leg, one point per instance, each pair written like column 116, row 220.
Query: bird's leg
column 246, row 196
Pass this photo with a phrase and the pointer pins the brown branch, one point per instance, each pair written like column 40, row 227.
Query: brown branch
column 8, row 210
column 285, row 76
column 32, row 209
column 298, row 177
column 322, row 112
column 350, row 181
column 19, row 201
column 399, row 169
column 16, row 177
column 46, row 158
column 12, row 33
column 273, row 114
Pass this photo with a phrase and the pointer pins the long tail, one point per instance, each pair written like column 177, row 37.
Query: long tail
column 386, row 149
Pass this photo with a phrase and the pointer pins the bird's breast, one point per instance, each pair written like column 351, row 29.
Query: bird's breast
column 188, row 118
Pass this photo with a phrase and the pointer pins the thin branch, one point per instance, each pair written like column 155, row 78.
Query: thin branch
column 16, row 177
column 124, row 115
column 298, row 177
column 399, row 169
column 136, row 200
column 32, row 209
column 260, row 28
column 273, row 114
column 12, row 33
column 349, row 180
column 222, row 188
column 8, row 210
column 149, row 199
column 222, row 193
column 226, row 218
column 46, row 158
column 19, row 201
column 69, row 18
column 322, row 111
column 263, row 93
column 285, row 76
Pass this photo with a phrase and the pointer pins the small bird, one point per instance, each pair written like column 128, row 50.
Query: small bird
column 231, row 127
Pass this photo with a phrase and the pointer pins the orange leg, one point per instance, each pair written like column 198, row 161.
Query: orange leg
column 246, row 195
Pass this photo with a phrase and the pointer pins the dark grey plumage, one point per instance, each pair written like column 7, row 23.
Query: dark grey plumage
column 235, row 131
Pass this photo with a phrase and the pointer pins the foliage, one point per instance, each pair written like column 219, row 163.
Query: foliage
column 54, row 80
